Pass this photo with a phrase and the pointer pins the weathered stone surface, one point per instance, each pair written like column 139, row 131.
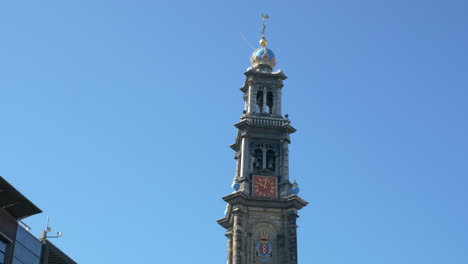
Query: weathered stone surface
column 262, row 227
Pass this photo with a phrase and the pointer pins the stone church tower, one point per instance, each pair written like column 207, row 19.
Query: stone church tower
column 260, row 217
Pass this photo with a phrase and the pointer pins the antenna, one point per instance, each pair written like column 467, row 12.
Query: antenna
column 243, row 36
column 43, row 234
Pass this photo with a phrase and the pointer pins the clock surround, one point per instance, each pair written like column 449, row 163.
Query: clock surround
column 265, row 186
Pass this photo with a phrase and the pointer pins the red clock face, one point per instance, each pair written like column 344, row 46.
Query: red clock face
column 264, row 186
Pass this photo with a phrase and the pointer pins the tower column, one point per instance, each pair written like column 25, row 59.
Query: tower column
column 292, row 234
column 251, row 100
column 285, row 160
column 245, row 156
column 264, row 165
column 278, row 102
column 229, row 247
column 237, row 239
column 238, row 165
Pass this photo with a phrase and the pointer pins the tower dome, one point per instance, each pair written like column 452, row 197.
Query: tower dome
column 263, row 56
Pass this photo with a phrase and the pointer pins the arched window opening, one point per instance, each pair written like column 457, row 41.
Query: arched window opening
column 258, row 159
column 269, row 102
column 270, row 160
column 260, row 101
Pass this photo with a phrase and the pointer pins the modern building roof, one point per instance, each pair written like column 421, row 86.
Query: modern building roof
column 14, row 203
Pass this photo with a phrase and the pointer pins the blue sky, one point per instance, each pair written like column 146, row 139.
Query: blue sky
column 116, row 117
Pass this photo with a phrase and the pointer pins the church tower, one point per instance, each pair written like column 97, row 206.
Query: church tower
column 261, row 213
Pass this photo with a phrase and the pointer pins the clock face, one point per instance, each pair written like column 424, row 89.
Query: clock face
column 264, row 186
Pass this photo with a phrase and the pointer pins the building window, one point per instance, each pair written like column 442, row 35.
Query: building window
column 28, row 249
column 258, row 159
column 270, row 160
column 259, row 102
column 269, row 102
column 3, row 250
column 264, row 157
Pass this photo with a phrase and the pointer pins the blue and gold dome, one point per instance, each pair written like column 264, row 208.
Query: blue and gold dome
column 263, row 56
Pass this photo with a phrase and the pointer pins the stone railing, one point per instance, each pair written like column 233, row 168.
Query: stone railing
column 262, row 121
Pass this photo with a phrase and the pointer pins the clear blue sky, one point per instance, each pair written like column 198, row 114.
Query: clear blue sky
column 116, row 117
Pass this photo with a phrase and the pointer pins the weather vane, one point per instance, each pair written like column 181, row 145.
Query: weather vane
column 264, row 17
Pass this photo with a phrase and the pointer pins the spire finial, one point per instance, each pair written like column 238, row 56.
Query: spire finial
column 263, row 41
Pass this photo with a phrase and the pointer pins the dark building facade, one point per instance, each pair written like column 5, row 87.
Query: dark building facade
column 17, row 244
column 261, row 213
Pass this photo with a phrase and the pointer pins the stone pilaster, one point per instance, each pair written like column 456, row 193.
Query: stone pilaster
column 229, row 247
column 285, row 160
column 292, row 238
column 237, row 239
column 245, row 158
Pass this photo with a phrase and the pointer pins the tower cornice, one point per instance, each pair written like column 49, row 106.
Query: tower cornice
column 250, row 126
column 277, row 74
column 254, row 77
column 238, row 200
